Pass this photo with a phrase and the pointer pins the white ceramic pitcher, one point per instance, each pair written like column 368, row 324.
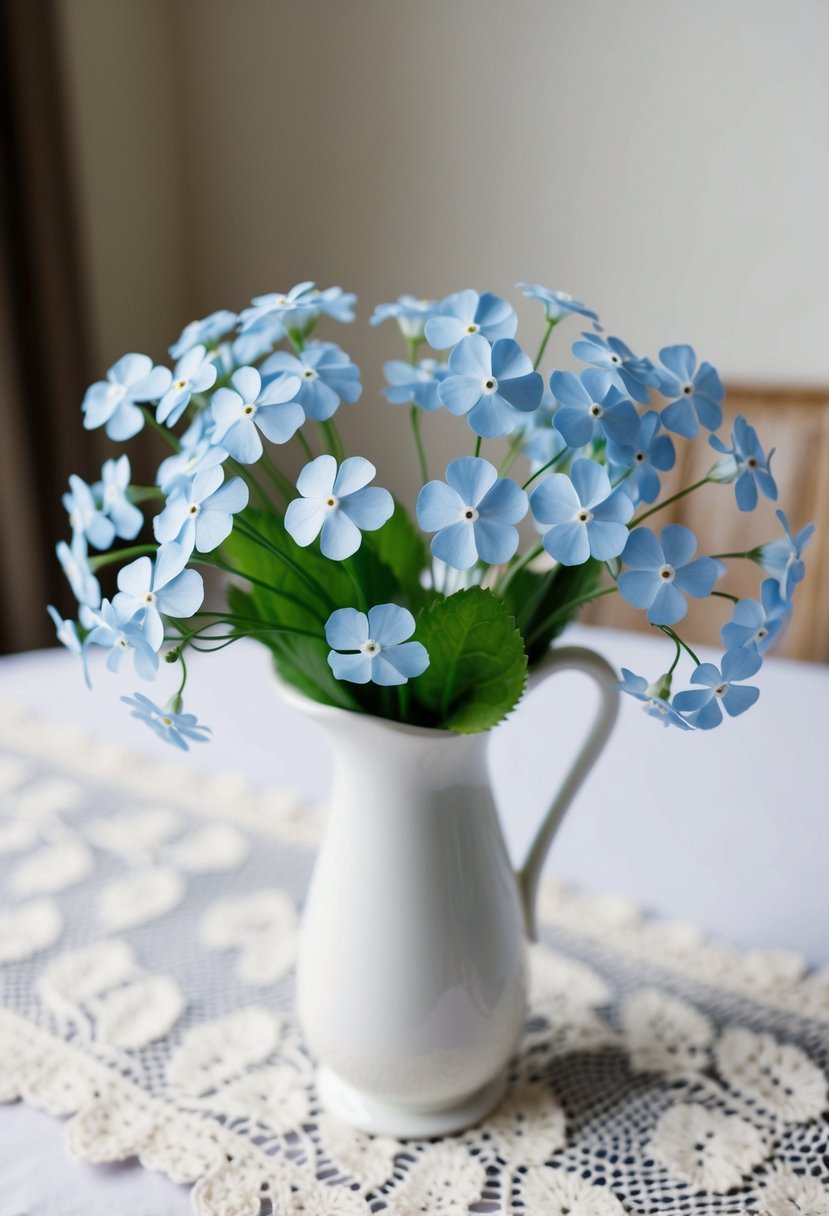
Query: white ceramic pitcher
column 411, row 989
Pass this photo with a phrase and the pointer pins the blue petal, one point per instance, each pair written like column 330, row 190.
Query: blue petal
column 505, row 502
column 554, row 501
column 740, row 664
column 643, row 551
column 607, row 540
column 304, row 518
column 681, row 360
column 568, row 543
column 438, row 506
column 575, row 426
column 590, row 481
column 317, row 478
column 471, row 477
column 247, row 383
column 496, row 542
column 389, row 624
column 693, row 700
column 356, row 668
column 183, row 595
column 279, row 423
column 442, row 332
column 709, row 717
column 346, row 629
column 492, row 416
column 339, row 538
column 745, row 490
column 739, row 698
column 698, row 577
column 368, row 508
column 242, row 442
column 460, row 393
column 472, row 357
column 524, row 393
column 639, row 587
column 354, row 473
column 681, row 418
column 411, row 658
column 456, row 546
column 668, row 605
column 509, row 361
column 678, row 544
column 569, row 390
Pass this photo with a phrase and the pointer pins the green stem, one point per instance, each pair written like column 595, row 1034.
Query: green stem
column 250, row 481
column 679, row 642
column 152, row 421
column 361, row 599
column 722, row 556
column 278, row 478
column 306, row 447
column 478, row 442
column 108, row 559
column 510, row 574
column 680, row 494
column 332, row 439
column 672, row 667
column 512, row 452
column 403, row 702
column 137, row 494
column 309, row 581
column 550, row 463
column 544, row 341
column 414, row 418
column 726, row 595
column 564, row 609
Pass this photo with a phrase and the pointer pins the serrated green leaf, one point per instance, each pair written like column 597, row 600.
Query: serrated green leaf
column 534, row 599
column 477, row 665
column 400, row 547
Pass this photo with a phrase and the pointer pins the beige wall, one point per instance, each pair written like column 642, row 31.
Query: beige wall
column 665, row 161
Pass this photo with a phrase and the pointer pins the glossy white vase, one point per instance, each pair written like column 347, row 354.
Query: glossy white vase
column 411, row 988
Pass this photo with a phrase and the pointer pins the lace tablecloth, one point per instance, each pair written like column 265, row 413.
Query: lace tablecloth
column 147, row 938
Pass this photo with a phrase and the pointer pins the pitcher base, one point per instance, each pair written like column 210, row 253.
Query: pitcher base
column 385, row 1119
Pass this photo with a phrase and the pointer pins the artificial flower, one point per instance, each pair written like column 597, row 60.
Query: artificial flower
column 338, row 505
column 376, row 645
column 473, row 515
column 661, row 573
column 492, row 385
column 583, row 515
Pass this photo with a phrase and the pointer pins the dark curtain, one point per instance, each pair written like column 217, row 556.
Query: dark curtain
column 44, row 343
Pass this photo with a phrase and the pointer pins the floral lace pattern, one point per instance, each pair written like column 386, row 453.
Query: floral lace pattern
column 146, row 974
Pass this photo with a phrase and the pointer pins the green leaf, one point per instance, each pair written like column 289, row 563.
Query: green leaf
column 534, row 599
column 477, row 665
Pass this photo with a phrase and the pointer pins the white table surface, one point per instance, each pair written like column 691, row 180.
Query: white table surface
column 728, row 829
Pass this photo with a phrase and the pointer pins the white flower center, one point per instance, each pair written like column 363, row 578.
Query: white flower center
column 110, row 493
column 490, row 385
column 122, row 644
column 116, row 391
column 193, row 509
column 76, row 520
column 470, row 514
column 583, row 516
column 166, row 721
column 180, row 384
column 752, row 462
column 149, row 598
column 370, row 647
column 687, row 388
column 615, row 359
column 667, row 573
column 249, row 410
column 596, row 410
column 639, row 457
column 309, row 373
column 332, row 503
column 472, row 328
column 721, row 690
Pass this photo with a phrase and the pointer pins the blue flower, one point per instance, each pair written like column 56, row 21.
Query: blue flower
column 326, row 377
column 473, row 515
column 147, row 588
column 377, row 646
column 206, row 332
column 466, row 312
column 86, row 516
column 67, row 634
column 749, row 463
column 195, row 373
column 756, row 624
column 492, row 385
column 783, row 558
column 702, row 706
column 655, row 701
column 238, row 412
column 696, row 394
column 335, row 303
column 585, row 517
column 631, row 373
column 198, row 452
column 648, row 455
column 115, row 479
column 248, row 347
column 410, row 314
column 337, row 505
column 591, row 404
column 172, row 728
column 114, row 627
column 201, row 514
column 557, row 304
column 661, row 573
column 74, row 561
column 283, row 308
column 414, row 382
column 112, row 402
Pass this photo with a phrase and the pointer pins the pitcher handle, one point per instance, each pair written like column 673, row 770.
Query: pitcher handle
column 567, row 658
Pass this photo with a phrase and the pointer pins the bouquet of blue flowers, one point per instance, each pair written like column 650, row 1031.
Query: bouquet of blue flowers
column 337, row 579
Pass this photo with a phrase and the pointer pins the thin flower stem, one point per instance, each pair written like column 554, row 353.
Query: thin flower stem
column 722, row 556
column 545, row 339
column 726, row 595
column 522, row 562
column 680, row 494
column 678, row 640
column 108, row 559
column 361, row 599
column 305, row 445
column 564, row 609
column 137, row 494
column 672, row 667
column 414, row 418
column 168, row 436
column 478, row 443
column 549, row 465
column 333, row 440
column 250, row 481
column 310, row 582
column 403, row 701
column 278, row 478
column 512, row 452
